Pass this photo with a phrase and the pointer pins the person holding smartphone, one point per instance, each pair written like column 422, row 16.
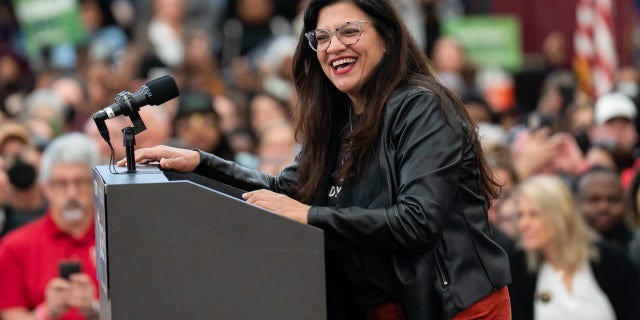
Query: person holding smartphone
column 47, row 267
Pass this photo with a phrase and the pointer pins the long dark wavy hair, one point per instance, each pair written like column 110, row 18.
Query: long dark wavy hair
column 322, row 107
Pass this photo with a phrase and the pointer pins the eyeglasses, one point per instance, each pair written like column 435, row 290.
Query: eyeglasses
column 349, row 33
column 63, row 184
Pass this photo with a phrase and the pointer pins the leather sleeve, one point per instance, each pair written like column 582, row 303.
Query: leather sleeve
column 240, row 177
column 425, row 154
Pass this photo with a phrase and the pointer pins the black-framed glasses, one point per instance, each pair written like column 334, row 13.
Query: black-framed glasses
column 348, row 33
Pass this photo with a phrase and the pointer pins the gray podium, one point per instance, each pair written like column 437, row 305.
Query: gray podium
column 170, row 249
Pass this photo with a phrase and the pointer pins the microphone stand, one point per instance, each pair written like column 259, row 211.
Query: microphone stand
column 129, row 140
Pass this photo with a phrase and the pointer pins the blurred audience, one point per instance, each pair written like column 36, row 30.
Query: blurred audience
column 265, row 110
column 277, row 147
column 507, row 216
column 599, row 155
column 231, row 118
column 602, row 203
column 16, row 78
column 563, row 271
column 200, row 68
column 541, row 150
column 166, row 30
column 614, row 116
column 75, row 94
column 633, row 194
column 44, row 113
column 14, row 137
column 449, row 60
column 197, row 125
column 159, row 127
column 31, row 286
column 4, row 194
column 628, row 83
column 106, row 39
column 25, row 201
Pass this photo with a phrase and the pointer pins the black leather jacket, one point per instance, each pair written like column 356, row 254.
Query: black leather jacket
column 416, row 222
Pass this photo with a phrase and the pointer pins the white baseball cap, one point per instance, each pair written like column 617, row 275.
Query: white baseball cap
column 614, row 105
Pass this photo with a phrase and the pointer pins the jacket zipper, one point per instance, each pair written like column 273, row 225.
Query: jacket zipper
column 440, row 268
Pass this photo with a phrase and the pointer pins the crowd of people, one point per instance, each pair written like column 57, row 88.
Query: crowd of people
column 566, row 163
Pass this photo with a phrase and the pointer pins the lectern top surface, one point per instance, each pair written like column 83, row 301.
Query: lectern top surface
column 143, row 174
column 147, row 174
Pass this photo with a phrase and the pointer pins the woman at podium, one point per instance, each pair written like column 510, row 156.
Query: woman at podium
column 390, row 168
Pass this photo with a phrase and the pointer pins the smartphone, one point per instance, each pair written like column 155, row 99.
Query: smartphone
column 537, row 121
column 67, row 268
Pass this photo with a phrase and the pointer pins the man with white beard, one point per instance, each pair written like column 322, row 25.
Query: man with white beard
column 32, row 282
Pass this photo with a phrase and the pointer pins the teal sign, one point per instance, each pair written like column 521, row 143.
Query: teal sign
column 489, row 41
column 50, row 22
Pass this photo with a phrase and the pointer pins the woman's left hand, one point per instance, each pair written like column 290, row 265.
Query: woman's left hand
column 279, row 204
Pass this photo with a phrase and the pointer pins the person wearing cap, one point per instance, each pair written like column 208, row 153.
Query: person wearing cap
column 614, row 116
column 13, row 138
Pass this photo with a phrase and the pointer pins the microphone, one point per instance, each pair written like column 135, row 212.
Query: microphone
column 154, row 92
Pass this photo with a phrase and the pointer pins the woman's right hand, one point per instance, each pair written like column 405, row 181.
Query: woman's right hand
column 182, row 160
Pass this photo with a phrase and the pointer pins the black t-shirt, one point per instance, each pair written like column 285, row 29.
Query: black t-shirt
column 365, row 293
column 336, row 182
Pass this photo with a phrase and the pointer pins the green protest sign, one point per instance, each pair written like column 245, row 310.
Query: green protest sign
column 489, row 41
column 50, row 22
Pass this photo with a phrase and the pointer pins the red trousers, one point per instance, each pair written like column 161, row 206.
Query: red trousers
column 496, row 306
column 386, row 311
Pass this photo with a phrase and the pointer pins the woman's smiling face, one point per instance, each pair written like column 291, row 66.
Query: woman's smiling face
column 347, row 66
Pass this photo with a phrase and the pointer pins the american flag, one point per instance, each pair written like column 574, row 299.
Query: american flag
column 595, row 59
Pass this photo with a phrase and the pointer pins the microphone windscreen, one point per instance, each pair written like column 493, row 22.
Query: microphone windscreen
column 162, row 90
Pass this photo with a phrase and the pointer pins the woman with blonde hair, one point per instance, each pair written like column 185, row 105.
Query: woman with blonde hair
column 563, row 271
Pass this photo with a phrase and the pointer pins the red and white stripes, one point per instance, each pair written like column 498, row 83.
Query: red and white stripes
column 595, row 44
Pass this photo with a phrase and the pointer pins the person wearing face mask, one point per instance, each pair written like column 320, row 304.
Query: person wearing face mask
column 24, row 201
column 391, row 169
column 31, row 285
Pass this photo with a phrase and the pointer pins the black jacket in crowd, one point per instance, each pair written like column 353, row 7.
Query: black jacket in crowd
column 614, row 273
column 414, row 224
